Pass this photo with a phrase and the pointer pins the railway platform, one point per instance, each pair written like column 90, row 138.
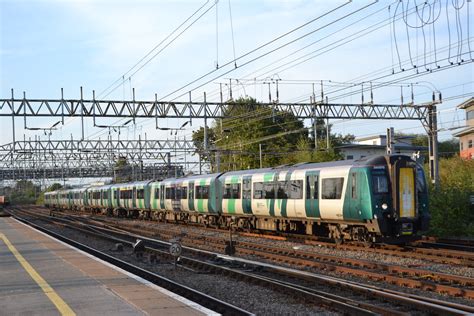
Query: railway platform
column 43, row 276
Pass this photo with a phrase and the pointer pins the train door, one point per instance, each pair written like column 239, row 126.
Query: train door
column 162, row 197
column 176, row 198
column 133, row 203
column 247, row 194
column 191, row 195
column 355, row 211
column 406, row 192
column 405, row 195
column 312, row 194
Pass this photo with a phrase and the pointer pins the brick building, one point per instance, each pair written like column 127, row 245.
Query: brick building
column 466, row 135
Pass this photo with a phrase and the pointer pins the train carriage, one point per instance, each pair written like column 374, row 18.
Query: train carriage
column 378, row 198
column 133, row 198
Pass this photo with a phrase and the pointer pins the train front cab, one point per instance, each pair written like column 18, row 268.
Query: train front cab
column 404, row 205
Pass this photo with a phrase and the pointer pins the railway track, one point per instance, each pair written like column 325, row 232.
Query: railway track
column 202, row 298
column 289, row 280
column 433, row 254
column 402, row 276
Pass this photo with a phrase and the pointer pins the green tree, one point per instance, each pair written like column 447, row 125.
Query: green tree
column 24, row 192
column 53, row 187
column 122, row 170
column 248, row 125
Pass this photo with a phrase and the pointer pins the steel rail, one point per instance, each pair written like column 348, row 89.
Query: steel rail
column 187, row 292
column 421, row 303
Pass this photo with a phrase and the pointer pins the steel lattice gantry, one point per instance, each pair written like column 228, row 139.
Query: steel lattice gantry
column 36, row 159
column 156, row 109
column 84, row 108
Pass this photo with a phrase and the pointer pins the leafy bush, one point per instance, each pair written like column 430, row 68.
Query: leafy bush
column 451, row 211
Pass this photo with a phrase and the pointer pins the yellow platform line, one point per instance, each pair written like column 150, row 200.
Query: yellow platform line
column 62, row 307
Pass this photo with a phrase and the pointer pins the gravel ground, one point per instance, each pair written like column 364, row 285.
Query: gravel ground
column 254, row 298
column 362, row 255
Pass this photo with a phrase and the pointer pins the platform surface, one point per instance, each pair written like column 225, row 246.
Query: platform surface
column 42, row 276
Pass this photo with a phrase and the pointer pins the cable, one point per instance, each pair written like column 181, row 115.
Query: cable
column 267, row 53
column 254, row 50
column 232, row 32
column 154, row 48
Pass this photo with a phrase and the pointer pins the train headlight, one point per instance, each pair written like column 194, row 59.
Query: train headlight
column 384, row 206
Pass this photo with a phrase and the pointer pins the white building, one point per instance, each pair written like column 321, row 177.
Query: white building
column 376, row 145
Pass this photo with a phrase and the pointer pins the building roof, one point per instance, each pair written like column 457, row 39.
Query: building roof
column 363, row 146
column 466, row 131
column 384, row 136
column 466, row 104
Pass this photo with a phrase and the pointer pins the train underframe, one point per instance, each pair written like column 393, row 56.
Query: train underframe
column 367, row 232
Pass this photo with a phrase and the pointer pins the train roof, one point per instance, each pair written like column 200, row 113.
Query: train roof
column 197, row 176
column 126, row 184
column 366, row 161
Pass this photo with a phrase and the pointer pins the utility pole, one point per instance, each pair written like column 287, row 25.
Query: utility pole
column 390, row 141
column 328, row 143
column 433, row 143
column 260, row 151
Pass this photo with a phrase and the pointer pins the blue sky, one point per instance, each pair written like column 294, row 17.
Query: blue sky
column 47, row 45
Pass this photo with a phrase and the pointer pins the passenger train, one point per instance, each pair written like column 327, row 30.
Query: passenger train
column 373, row 199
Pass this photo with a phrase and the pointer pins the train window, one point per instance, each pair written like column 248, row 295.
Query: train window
column 115, row 194
column 231, row 191
column 258, row 190
column 140, row 194
column 105, row 195
column 96, row 195
column 202, row 192
column 316, row 188
column 184, row 193
column 380, row 181
column 295, row 189
column 247, row 189
column 170, row 193
column 282, row 190
column 236, row 191
column 227, row 194
column 157, row 193
column 264, row 190
column 291, row 189
column 308, row 187
column 354, row 183
column 126, row 194
column 332, row 188
column 178, row 193
column 269, row 190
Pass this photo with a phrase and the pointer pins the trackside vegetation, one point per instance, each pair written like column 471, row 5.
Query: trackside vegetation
column 452, row 214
